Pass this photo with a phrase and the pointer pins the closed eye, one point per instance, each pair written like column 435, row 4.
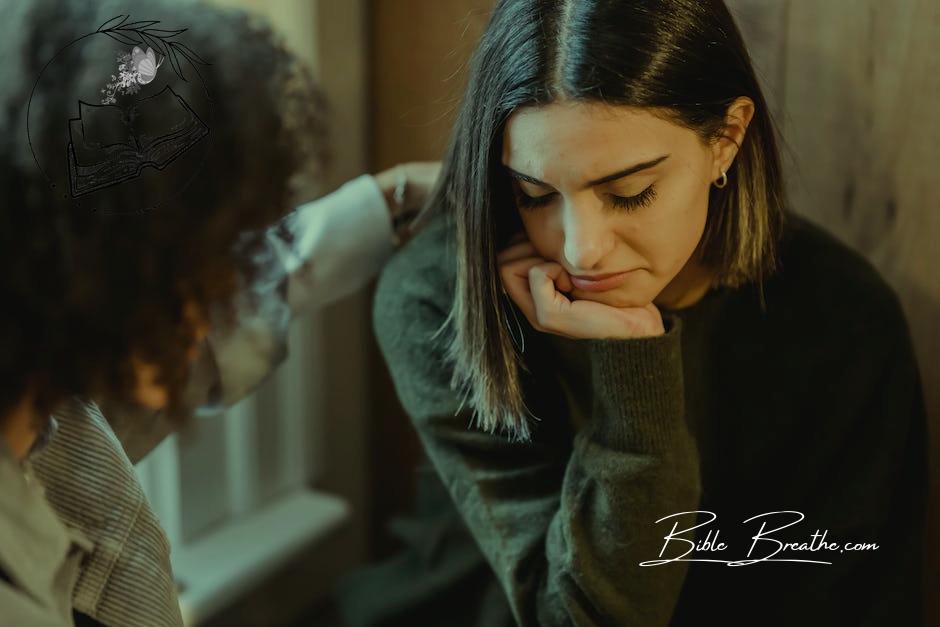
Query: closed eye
column 529, row 202
column 630, row 203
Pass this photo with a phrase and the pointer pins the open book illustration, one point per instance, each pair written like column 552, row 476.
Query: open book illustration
column 109, row 144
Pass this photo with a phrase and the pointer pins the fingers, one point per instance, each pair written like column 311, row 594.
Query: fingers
column 514, row 263
column 422, row 173
column 515, row 279
column 546, row 299
column 532, row 282
column 543, row 292
column 563, row 279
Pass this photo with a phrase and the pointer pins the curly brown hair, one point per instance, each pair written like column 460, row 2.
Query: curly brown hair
column 84, row 290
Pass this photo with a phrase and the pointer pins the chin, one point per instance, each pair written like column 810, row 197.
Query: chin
column 621, row 298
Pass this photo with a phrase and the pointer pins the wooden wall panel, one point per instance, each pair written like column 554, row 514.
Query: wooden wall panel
column 854, row 85
column 418, row 62
column 419, row 56
column 861, row 87
column 763, row 26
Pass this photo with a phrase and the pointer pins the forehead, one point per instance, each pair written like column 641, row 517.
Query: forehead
column 587, row 136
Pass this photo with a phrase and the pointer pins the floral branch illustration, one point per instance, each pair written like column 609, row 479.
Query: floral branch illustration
column 143, row 33
column 127, row 80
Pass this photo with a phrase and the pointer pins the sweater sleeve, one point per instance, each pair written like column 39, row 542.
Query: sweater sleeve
column 564, row 527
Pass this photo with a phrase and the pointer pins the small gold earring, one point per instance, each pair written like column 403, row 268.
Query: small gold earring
column 724, row 180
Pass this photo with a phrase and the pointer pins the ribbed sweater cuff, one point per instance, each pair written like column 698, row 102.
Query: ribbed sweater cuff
column 638, row 390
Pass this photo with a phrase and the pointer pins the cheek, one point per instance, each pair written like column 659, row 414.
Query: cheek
column 691, row 226
column 671, row 237
column 148, row 393
column 545, row 239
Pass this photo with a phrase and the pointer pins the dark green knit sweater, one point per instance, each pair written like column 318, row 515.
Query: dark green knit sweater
column 813, row 405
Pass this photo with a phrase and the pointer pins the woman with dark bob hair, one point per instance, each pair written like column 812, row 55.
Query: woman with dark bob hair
column 654, row 393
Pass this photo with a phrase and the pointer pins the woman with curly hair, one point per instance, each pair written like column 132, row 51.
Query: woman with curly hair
column 649, row 391
column 168, row 288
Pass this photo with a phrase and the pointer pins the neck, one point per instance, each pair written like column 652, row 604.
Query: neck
column 687, row 288
column 18, row 428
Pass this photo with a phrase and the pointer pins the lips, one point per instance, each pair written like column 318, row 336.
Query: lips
column 601, row 282
column 595, row 277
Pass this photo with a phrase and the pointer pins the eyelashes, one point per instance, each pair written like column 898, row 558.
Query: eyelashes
column 627, row 203
column 643, row 199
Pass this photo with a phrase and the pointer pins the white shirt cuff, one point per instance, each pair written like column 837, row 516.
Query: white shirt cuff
column 341, row 242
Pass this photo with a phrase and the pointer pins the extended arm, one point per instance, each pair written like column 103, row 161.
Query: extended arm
column 321, row 252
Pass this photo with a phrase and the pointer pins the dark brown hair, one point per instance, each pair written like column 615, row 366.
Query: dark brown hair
column 683, row 60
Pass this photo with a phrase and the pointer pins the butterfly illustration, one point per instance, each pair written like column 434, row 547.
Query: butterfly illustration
column 145, row 64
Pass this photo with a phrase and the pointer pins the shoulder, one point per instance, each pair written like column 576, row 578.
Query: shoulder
column 415, row 287
column 824, row 279
column 410, row 310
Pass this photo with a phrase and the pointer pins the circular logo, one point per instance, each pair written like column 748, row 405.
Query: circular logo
column 133, row 140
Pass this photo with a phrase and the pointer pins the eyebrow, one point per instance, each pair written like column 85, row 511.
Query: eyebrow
column 633, row 169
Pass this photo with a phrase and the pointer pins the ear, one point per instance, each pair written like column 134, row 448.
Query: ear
column 724, row 150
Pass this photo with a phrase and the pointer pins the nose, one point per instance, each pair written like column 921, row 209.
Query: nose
column 588, row 236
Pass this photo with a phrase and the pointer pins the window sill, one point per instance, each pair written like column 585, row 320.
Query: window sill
column 215, row 571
